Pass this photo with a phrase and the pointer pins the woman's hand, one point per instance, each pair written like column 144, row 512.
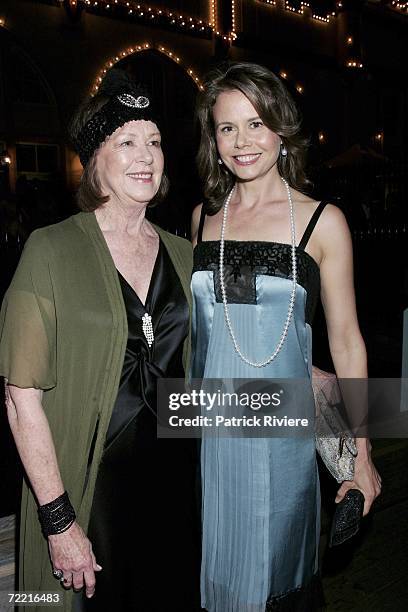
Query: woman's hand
column 71, row 552
column 366, row 479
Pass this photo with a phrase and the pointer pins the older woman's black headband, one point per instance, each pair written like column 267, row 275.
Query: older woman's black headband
column 128, row 102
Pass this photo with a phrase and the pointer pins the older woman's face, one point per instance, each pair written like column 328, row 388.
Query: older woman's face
column 246, row 146
column 130, row 163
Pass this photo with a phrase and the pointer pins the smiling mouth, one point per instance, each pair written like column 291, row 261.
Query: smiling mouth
column 246, row 160
column 141, row 177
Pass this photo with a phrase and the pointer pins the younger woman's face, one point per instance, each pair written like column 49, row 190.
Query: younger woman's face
column 246, row 146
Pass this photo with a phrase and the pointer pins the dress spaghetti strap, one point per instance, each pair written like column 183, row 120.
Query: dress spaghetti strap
column 311, row 225
column 201, row 225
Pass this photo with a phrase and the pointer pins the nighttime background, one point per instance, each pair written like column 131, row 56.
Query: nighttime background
column 345, row 64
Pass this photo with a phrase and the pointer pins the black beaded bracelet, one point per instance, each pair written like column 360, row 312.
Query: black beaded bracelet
column 56, row 516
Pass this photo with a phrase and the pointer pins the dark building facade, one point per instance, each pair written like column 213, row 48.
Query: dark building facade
column 343, row 61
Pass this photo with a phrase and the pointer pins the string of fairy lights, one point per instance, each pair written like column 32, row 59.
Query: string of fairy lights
column 233, row 19
column 145, row 47
column 209, row 27
column 170, row 18
column 201, row 27
column 400, row 6
column 174, row 57
column 134, row 10
column 145, row 12
column 300, row 9
column 213, row 14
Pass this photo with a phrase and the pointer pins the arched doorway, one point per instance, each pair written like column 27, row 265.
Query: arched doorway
column 175, row 93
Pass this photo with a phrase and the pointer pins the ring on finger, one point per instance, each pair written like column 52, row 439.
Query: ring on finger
column 58, row 574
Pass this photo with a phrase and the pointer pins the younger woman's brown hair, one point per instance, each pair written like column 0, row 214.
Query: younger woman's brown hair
column 275, row 107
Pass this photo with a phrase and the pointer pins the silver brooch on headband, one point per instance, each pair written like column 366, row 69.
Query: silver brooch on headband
column 129, row 100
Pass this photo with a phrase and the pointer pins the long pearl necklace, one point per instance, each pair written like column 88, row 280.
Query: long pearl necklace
column 259, row 364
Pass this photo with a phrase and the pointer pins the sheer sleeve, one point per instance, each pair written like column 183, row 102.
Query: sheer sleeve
column 28, row 320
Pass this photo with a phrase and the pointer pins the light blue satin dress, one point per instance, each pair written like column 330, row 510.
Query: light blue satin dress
column 261, row 498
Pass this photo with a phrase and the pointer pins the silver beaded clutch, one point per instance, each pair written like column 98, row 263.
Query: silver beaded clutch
column 334, row 443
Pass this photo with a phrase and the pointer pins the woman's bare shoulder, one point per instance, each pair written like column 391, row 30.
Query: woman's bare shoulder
column 332, row 231
column 332, row 217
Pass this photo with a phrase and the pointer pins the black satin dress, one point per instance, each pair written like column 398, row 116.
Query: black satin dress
column 144, row 526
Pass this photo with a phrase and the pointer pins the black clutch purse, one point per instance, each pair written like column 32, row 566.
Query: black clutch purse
column 347, row 517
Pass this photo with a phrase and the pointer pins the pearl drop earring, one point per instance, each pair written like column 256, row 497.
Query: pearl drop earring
column 220, row 161
column 283, row 150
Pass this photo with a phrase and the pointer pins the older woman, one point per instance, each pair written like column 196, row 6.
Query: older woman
column 97, row 311
column 264, row 251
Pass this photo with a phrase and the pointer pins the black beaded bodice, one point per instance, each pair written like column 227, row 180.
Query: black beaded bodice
column 244, row 260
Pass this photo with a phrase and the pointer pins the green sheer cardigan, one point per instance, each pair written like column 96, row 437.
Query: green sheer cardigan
column 63, row 329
